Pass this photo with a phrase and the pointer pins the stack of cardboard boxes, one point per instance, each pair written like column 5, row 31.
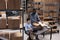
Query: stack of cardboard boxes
column 12, row 21
column 2, row 23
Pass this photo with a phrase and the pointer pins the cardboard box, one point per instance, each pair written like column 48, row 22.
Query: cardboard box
column 2, row 5
column 2, row 23
column 13, row 4
column 50, row 8
column 13, row 22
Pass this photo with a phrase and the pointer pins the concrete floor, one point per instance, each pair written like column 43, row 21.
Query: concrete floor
column 55, row 36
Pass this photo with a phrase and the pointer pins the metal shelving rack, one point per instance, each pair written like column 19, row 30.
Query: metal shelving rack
column 49, row 11
column 23, row 6
column 22, row 11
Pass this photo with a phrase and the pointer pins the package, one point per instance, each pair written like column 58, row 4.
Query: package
column 2, row 23
column 13, row 22
column 13, row 4
column 2, row 5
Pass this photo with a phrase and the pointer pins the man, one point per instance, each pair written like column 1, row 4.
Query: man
column 34, row 19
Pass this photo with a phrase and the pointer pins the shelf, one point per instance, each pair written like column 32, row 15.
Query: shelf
column 39, row 3
column 48, row 18
column 53, row 11
column 29, row 7
column 49, row 21
column 29, row 2
column 36, row 8
column 55, row 17
column 52, row 4
column 53, row 30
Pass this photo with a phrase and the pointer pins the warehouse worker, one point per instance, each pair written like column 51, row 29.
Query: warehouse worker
column 35, row 19
column 34, row 16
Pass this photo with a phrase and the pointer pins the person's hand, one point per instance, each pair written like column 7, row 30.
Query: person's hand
column 40, row 22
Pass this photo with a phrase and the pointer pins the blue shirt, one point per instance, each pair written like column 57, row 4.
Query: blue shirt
column 34, row 17
column 27, row 26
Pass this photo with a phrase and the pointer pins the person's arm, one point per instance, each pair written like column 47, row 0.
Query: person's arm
column 32, row 18
column 25, row 25
column 28, row 28
column 38, row 19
